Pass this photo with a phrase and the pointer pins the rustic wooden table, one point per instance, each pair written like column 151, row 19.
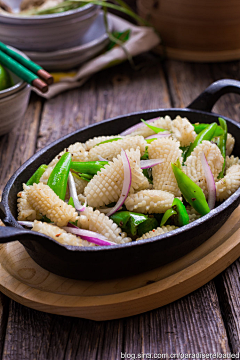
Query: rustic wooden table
column 205, row 321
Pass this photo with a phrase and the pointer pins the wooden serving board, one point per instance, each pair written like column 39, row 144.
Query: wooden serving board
column 27, row 283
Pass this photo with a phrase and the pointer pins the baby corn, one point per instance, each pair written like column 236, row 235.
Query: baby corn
column 163, row 177
column 162, row 123
column 110, row 150
column 106, row 186
column 157, row 232
column 229, row 184
column 194, row 169
column 43, row 199
column 149, row 201
column 59, row 235
column 183, row 131
column 98, row 222
column 77, row 151
column 98, row 139
column 25, row 210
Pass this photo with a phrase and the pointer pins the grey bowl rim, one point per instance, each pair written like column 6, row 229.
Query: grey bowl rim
column 78, row 48
column 47, row 16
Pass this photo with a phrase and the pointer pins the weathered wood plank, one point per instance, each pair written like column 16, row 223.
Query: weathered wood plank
column 187, row 81
column 228, row 283
column 228, row 288
column 35, row 335
column 4, row 301
column 191, row 325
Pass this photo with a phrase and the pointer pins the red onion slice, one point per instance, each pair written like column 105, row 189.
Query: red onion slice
column 135, row 127
column 146, row 164
column 88, row 235
column 73, row 194
column 210, row 182
column 159, row 135
column 126, row 183
column 26, row 223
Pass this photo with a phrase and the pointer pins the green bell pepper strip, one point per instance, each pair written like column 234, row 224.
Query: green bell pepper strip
column 148, row 141
column 184, row 152
column 221, row 143
column 200, row 127
column 86, row 177
column 130, row 222
column 146, row 226
column 182, row 217
column 37, row 175
column 170, row 212
column 148, row 174
column 206, row 134
column 88, row 167
column 59, row 176
column 154, row 128
column 178, row 212
column 75, row 175
column 108, row 141
column 145, row 155
column 45, row 219
column 121, row 218
column 134, row 221
column 191, row 191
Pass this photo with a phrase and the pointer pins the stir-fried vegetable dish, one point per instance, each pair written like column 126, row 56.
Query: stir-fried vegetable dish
column 154, row 177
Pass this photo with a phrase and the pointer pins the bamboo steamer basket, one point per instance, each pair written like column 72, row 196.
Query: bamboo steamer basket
column 199, row 30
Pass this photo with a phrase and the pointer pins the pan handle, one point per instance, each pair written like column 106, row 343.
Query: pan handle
column 207, row 99
column 12, row 233
column 7, row 219
column 9, row 234
column 2, row 211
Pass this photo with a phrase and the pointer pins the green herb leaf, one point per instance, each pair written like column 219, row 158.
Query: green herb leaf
column 145, row 155
column 154, row 128
column 167, row 215
column 120, row 36
column 146, row 226
column 86, row 177
column 108, row 141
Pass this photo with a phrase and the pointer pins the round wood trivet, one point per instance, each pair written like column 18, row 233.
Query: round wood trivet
column 27, row 283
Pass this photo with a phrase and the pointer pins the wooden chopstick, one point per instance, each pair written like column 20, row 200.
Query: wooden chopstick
column 22, row 72
column 26, row 69
column 30, row 65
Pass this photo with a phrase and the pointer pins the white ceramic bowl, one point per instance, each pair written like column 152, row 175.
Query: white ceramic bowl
column 46, row 32
column 13, row 103
column 91, row 44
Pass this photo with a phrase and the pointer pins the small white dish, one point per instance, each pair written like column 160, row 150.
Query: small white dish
column 46, row 32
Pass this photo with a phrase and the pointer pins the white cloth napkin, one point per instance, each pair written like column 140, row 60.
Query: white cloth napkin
column 141, row 39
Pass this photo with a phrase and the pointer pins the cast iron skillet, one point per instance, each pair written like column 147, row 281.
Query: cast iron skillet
column 103, row 262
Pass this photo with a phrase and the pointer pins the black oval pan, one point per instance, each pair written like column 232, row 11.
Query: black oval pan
column 96, row 263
